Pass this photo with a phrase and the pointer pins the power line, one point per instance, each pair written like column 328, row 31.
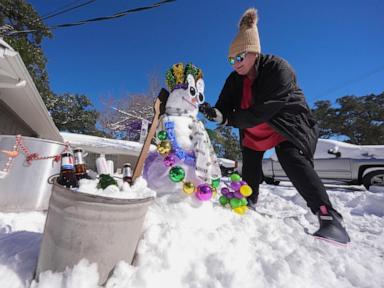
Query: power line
column 59, row 11
column 82, row 22
column 354, row 80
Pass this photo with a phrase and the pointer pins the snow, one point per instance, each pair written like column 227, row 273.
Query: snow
column 186, row 243
column 123, row 190
column 104, row 145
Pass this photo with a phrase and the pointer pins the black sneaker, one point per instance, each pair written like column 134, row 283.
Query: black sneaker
column 331, row 227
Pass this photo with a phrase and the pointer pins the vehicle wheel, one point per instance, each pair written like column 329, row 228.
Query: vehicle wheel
column 271, row 181
column 374, row 178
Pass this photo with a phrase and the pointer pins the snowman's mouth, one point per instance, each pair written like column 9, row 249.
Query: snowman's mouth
column 186, row 100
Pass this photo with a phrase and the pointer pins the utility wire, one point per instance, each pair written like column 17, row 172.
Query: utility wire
column 354, row 80
column 59, row 12
column 82, row 22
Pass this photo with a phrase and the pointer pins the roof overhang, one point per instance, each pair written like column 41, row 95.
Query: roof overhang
column 19, row 92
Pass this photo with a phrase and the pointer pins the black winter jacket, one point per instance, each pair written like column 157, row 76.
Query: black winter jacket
column 277, row 100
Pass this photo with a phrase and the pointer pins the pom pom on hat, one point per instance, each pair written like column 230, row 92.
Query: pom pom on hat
column 249, row 19
column 247, row 39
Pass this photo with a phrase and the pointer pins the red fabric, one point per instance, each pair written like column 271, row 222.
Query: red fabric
column 261, row 137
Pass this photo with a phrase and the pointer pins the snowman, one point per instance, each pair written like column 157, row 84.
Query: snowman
column 185, row 159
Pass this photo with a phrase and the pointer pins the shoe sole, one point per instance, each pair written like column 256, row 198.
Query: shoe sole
column 330, row 241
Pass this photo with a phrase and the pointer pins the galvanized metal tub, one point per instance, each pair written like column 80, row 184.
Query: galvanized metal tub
column 26, row 188
column 101, row 229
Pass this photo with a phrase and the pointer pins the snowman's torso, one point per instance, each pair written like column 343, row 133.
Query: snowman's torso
column 184, row 126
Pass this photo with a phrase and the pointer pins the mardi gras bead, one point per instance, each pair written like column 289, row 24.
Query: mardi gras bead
column 169, row 160
column 162, row 135
column 235, row 202
column 188, row 187
column 216, row 183
column 238, row 195
column 230, row 195
column 164, row 147
column 235, row 185
column 176, row 174
column 243, row 201
column 223, row 200
column 203, row 192
column 235, row 177
column 224, row 191
column 240, row 210
column 246, row 190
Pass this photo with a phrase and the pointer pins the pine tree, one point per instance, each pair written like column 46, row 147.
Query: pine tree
column 225, row 142
column 359, row 119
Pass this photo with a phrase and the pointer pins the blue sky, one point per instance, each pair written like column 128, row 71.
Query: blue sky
column 335, row 46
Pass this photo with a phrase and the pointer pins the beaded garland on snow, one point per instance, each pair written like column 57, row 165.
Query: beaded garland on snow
column 234, row 194
column 173, row 154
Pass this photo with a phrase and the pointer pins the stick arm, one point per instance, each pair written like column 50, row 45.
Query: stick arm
column 159, row 109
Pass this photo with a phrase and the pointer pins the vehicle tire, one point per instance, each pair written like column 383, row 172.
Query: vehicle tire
column 271, row 181
column 374, row 178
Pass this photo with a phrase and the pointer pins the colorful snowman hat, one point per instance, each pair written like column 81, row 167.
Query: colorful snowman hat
column 176, row 76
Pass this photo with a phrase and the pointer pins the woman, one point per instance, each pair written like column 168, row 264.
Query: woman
column 262, row 98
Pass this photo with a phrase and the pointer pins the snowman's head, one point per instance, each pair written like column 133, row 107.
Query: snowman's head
column 186, row 86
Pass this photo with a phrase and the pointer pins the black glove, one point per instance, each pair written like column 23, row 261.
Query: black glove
column 208, row 111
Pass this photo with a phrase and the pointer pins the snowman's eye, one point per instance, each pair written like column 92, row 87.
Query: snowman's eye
column 192, row 91
column 201, row 98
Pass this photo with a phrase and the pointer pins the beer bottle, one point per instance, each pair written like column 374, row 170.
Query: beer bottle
column 127, row 173
column 80, row 166
column 67, row 176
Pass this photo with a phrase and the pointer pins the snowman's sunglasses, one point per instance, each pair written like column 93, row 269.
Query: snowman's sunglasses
column 238, row 58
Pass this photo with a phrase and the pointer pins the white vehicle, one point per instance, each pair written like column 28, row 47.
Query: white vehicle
column 338, row 162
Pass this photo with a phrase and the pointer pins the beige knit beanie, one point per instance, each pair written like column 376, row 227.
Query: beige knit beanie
column 247, row 40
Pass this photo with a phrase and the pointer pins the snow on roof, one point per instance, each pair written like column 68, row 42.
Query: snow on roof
column 19, row 92
column 104, row 145
column 348, row 150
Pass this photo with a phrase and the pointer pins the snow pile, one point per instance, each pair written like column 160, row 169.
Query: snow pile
column 190, row 244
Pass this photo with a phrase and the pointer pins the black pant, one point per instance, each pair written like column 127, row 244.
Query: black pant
column 298, row 168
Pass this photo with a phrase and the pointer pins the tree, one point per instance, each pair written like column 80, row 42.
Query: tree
column 21, row 16
column 360, row 119
column 122, row 117
column 225, row 142
column 74, row 113
column 71, row 113
column 325, row 115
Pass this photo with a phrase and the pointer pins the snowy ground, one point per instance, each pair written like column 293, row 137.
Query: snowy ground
column 192, row 246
